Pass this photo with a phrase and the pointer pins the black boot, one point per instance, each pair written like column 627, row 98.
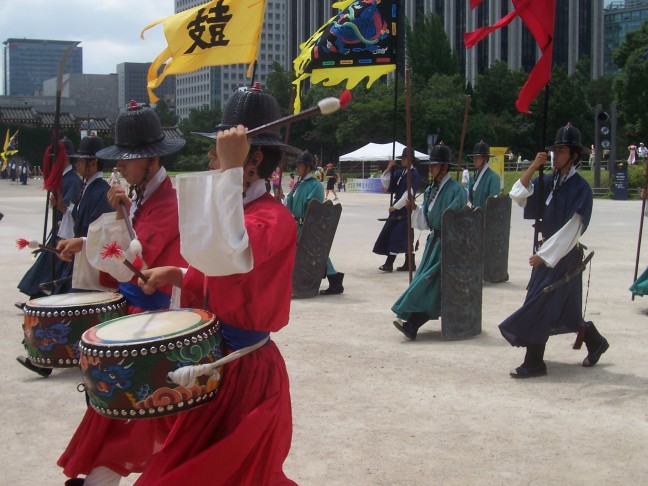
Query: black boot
column 388, row 266
column 27, row 363
column 596, row 345
column 75, row 482
column 335, row 284
column 533, row 365
column 405, row 267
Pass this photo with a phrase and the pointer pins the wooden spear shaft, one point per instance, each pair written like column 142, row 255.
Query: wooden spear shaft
column 463, row 136
column 410, row 199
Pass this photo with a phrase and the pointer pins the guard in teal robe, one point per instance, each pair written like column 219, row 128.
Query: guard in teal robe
column 422, row 299
column 484, row 182
column 306, row 189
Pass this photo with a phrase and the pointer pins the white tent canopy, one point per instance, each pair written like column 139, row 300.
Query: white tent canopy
column 379, row 151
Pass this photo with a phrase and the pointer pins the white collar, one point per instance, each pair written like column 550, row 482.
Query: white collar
column 254, row 192
column 67, row 169
column 151, row 186
column 484, row 168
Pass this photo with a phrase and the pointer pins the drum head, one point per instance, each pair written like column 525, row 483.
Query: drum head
column 75, row 299
column 147, row 327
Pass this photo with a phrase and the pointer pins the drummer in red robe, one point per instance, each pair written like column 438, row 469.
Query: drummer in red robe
column 97, row 446
column 240, row 243
column 151, row 209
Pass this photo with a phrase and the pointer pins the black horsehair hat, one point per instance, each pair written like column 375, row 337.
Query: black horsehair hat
column 306, row 158
column 252, row 108
column 408, row 152
column 481, row 148
column 69, row 146
column 439, row 154
column 139, row 135
column 88, row 148
column 570, row 136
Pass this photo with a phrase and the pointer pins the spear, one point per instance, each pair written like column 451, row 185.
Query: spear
column 408, row 124
column 55, row 137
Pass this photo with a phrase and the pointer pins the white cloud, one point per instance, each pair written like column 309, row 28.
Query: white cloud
column 109, row 30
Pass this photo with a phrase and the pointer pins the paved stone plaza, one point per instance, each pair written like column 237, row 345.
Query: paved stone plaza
column 370, row 407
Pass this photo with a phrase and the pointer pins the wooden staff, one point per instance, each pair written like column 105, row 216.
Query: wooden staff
column 537, row 227
column 641, row 221
column 410, row 199
column 463, row 136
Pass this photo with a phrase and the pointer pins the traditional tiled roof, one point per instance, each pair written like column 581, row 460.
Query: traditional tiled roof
column 30, row 117
column 19, row 115
column 66, row 120
column 172, row 132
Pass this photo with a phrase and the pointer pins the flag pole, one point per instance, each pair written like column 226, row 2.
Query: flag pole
column 55, row 136
column 463, row 134
column 410, row 199
column 537, row 227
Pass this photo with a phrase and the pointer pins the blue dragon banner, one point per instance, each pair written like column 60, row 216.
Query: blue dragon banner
column 358, row 43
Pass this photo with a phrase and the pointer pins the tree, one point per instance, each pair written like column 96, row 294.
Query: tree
column 167, row 117
column 629, row 85
column 279, row 84
column 428, row 49
column 497, row 89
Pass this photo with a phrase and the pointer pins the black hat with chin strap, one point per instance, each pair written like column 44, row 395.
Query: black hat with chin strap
column 139, row 135
column 88, row 148
column 481, row 148
column 439, row 154
column 569, row 136
column 252, row 108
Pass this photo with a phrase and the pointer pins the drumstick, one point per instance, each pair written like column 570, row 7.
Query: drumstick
column 122, row 209
column 22, row 243
column 113, row 250
column 325, row 107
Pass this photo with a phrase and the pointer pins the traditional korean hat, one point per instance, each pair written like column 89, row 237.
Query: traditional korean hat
column 252, row 107
column 88, row 148
column 306, row 158
column 408, row 152
column 69, row 146
column 139, row 135
column 440, row 154
column 570, row 136
column 481, row 148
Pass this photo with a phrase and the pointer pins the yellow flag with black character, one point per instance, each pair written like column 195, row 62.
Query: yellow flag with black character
column 358, row 43
column 216, row 33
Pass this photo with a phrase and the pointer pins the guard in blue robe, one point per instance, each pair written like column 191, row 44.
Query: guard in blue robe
column 41, row 271
column 393, row 239
column 553, row 304
column 422, row 299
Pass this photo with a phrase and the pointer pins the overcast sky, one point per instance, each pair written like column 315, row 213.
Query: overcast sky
column 109, row 30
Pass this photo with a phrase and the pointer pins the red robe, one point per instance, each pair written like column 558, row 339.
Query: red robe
column 243, row 435
column 100, row 441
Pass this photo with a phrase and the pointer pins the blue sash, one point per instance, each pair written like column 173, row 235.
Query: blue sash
column 236, row 338
column 135, row 297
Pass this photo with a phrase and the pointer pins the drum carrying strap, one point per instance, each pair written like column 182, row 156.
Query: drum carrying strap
column 137, row 298
column 187, row 375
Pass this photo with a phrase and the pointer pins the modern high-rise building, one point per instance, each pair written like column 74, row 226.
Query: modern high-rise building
column 29, row 62
column 212, row 86
column 619, row 18
column 132, row 81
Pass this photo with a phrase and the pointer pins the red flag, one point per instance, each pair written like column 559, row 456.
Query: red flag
column 539, row 17
column 53, row 170
column 475, row 3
